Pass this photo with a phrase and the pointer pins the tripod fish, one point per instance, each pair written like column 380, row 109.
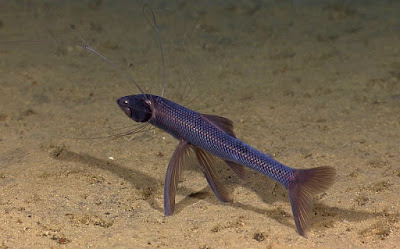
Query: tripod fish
column 205, row 136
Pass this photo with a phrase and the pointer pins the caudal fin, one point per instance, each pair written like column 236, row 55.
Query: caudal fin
column 302, row 188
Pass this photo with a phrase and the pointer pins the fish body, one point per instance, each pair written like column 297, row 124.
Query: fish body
column 200, row 131
column 207, row 135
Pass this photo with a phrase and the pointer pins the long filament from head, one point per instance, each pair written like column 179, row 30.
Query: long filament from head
column 154, row 24
column 86, row 46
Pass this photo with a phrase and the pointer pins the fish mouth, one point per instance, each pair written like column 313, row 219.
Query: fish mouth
column 122, row 102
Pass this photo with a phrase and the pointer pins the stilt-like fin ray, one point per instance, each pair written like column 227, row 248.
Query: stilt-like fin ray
column 173, row 176
column 205, row 160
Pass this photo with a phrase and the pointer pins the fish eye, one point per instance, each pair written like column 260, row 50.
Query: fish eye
column 126, row 102
column 127, row 111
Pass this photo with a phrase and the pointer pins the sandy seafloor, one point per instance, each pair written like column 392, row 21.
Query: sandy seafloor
column 310, row 82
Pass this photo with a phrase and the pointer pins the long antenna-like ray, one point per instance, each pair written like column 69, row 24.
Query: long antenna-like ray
column 155, row 26
column 86, row 46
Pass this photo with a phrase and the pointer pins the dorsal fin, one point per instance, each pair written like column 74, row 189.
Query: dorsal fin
column 221, row 123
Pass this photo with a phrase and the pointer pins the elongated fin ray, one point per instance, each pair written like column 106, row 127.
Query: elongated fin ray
column 153, row 22
column 174, row 172
column 86, row 46
column 205, row 160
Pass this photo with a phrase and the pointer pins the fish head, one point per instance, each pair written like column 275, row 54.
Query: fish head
column 136, row 107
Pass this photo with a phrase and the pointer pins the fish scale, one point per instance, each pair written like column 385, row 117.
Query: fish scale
column 183, row 123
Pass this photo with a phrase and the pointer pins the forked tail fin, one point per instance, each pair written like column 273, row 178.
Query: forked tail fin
column 302, row 188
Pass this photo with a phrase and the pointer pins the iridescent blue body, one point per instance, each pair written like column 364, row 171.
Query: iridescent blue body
column 196, row 129
column 207, row 135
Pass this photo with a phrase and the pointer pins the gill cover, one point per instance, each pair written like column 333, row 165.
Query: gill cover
column 136, row 107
